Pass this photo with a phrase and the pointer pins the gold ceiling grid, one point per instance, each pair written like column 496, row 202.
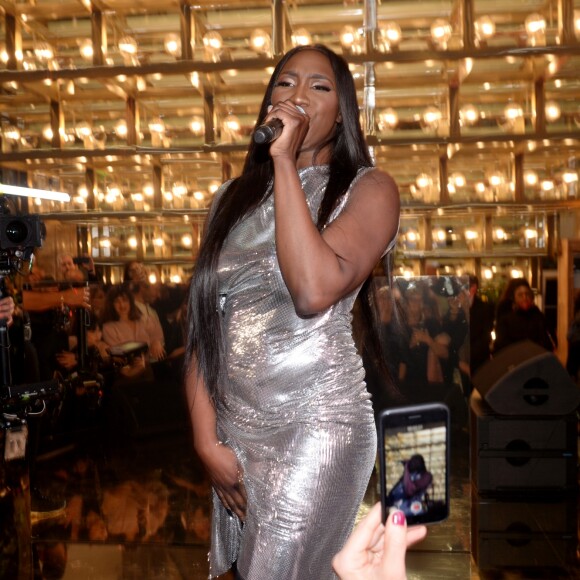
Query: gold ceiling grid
column 472, row 105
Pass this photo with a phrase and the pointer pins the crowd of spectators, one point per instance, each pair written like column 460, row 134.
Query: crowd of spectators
column 77, row 329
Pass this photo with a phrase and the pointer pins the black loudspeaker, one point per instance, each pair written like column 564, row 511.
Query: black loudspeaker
column 523, row 533
column 525, row 379
column 524, row 454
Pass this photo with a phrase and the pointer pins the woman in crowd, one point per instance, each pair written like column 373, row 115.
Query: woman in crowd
column 281, row 417
column 524, row 321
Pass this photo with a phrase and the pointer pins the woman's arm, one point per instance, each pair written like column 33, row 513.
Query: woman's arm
column 219, row 460
column 320, row 268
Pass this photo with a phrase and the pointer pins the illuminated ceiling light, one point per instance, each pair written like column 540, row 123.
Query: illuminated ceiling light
column 11, row 132
column 431, row 118
column 232, row 124
column 186, row 240
column 86, row 49
column 469, row 115
column 168, row 195
column 121, row 128
column 553, row 111
column 31, row 192
column 530, row 233
column 213, row 186
column 547, row 185
column 156, row 125
column 132, row 242
column 412, row 236
column 458, row 179
column 128, row 46
column 390, row 35
column 148, row 189
column 570, row 176
column 388, row 119
column 349, row 37
column 530, row 177
column 513, row 111
column 105, row 243
column 213, row 41
column 152, row 278
column 441, row 31
column 139, row 197
column 196, row 125
column 484, row 27
column 199, row 195
column 535, row 24
column 577, row 22
column 439, row 234
column 82, row 191
column 516, row 273
column 496, row 178
column 471, row 235
column 158, row 242
column 83, row 129
column 43, row 51
column 499, row 234
column 301, row 37
column 260, row 41
column 114, row 190
column 423, row 181
column 3, row 54
column 172, row 44
column 70, row 88
column 513, row 117
column 179, row 189
column 487, row 273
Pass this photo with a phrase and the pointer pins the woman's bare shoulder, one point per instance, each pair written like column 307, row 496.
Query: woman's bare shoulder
column 379, row 185
column 380, row 179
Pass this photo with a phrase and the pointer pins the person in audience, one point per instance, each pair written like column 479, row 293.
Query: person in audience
column 142, row 296
column 481, row 319
column 524, row 322
column 375, row 551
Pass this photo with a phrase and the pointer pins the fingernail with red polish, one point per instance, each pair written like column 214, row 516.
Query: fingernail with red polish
column 399, row 518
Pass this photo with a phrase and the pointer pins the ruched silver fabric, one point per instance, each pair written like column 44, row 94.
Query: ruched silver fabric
column 295, row 410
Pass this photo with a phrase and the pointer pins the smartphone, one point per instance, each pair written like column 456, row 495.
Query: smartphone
column 81, row 260
column 414, row 462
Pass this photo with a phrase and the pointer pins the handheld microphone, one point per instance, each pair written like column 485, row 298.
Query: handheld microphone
column 268, row 132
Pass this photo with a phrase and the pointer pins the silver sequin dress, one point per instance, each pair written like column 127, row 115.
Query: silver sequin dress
column 295, row 410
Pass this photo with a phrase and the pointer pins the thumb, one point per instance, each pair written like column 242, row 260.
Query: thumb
column 395, row 547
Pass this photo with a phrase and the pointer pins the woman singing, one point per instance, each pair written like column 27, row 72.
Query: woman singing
column 280, row 413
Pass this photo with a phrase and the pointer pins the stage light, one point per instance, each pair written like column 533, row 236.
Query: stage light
column 32, row 192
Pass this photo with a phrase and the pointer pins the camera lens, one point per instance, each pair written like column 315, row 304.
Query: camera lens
column 16, row 231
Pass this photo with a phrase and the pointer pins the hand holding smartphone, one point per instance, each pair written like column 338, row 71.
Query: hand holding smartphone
column 414, row 462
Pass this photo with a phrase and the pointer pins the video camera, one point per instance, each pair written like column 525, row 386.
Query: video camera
column 20, row 235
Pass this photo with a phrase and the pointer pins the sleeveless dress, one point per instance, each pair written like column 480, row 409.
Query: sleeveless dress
column 294, row 409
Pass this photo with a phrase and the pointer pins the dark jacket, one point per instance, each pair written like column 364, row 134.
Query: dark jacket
column 522, row 325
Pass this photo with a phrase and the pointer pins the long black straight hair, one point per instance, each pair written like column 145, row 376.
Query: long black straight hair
column 349, row 153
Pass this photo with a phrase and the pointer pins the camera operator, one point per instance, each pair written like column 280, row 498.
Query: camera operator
column 81, row 269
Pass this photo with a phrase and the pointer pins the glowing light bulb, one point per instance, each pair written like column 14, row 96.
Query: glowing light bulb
column 469, row 115
column 441, row 31
column 301, row 37
column 128, row 46
column 484, row 27
column 172, row 44
column 553, row 111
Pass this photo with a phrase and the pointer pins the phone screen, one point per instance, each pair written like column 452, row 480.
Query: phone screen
column 415, row 462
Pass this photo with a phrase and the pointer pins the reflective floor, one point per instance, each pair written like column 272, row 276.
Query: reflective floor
column 137, row 507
